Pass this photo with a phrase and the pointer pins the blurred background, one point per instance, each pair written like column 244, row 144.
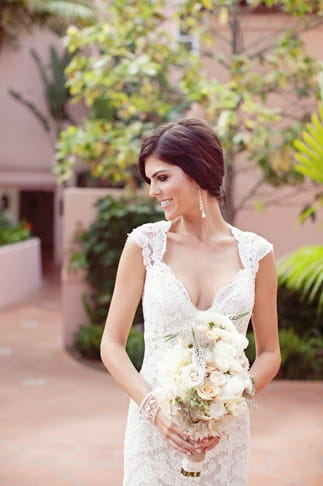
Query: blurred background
column 81, row 84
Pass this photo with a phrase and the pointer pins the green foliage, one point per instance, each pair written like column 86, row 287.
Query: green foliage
column 56, row 94
column 133, row 75
column 303, row 271
column 21, row 15
column 302, row 316
column 101, row 247
column 301, row 357
column 87, row 342
column 124, row 69
column 310, row 150
column 136, row 347
column 12, row 233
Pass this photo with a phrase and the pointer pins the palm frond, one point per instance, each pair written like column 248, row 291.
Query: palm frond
column 303, row 272
column 309, row 150
column 67, row 10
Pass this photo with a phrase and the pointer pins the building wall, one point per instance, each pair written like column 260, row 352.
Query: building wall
column 26, row 150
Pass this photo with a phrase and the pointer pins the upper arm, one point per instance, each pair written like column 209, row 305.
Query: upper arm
column 127, row 293
column 264, row 317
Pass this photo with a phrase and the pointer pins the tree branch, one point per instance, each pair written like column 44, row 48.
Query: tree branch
column 249, row 194
column 263, row 50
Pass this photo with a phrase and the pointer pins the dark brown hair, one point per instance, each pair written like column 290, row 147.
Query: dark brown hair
column 193, row 146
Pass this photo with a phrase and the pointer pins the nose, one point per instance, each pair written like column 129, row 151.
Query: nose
column 153, row 189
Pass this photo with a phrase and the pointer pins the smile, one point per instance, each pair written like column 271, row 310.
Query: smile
column 165, row 203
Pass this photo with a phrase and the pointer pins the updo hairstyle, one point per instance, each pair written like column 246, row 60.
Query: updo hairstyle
column 193, row 146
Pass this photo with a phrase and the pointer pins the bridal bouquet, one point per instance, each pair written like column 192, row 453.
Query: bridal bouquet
column 205, row 383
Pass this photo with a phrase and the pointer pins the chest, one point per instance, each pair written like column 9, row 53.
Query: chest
column 203, row 270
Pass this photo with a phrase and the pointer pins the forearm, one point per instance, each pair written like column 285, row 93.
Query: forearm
column 265, row 368
column 118, row 363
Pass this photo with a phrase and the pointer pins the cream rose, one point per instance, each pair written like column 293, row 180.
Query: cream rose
column 208, row 391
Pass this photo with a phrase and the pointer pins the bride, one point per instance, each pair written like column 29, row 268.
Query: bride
column 193, row 260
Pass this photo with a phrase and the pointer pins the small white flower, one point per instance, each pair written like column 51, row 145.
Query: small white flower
column 237, row 406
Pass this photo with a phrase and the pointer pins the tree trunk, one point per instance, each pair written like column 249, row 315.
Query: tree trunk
column 228, row 209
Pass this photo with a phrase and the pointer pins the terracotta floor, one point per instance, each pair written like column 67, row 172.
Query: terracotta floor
column 62, row 422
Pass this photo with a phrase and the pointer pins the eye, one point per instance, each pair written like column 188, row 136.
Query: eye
column 162, row 178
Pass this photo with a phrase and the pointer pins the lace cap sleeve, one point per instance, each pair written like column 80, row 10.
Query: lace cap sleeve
column 151, row 238
column 261, row 247
column 138, row 235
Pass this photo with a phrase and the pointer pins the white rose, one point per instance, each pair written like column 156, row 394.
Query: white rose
column 192, row 375
column 235, row 366
column 235, row 338
column 217, row 410
column 172, row 366
column 217, row 378
column 233, row 388
column 224, row 351
column 244, row 361
column 236, row 406
column 222, row 364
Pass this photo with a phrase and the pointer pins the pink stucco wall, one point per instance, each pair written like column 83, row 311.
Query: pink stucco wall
column 20, row 274
column 79, row 212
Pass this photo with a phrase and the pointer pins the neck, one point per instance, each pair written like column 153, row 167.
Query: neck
column 204, row 228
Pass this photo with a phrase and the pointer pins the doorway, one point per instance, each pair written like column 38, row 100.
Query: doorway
column 37, row 208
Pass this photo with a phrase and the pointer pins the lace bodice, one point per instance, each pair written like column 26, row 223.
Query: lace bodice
column 167, row 308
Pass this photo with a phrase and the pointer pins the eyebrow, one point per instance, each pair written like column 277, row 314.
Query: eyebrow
column 158, row 172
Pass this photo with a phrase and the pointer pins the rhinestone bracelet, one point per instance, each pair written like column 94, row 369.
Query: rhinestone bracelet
column 149, row 408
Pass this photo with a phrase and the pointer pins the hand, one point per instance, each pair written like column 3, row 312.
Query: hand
column 206, row 444
column 175, row 436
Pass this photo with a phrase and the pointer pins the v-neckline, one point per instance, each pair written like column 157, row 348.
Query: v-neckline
column 222, row 290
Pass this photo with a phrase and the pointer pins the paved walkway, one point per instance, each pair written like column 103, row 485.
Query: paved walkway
column 62, row 421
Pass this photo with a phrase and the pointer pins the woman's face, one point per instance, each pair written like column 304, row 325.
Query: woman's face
column 177, row 192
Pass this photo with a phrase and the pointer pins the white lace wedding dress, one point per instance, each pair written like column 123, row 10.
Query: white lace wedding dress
column 149, row 460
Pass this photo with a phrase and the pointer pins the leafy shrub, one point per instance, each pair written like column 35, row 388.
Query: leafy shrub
column 136, row 347
column 301, row 357
column 101, row 247
column 100, row 250
column 296, row 314
column 88, row 339
column 12, row 233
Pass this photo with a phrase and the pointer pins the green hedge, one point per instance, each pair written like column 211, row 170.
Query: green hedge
column 12, row 233
column 99, row 253
column 88, row 339
column 101, row 246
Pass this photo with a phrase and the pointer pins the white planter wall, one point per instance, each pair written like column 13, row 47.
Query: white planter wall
column 20, row 270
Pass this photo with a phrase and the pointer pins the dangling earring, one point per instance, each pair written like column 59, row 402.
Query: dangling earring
column 201, row 204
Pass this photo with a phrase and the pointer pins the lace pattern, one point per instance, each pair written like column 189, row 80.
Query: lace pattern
column 167, row 307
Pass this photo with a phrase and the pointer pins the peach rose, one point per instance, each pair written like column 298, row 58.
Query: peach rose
column 208, row 391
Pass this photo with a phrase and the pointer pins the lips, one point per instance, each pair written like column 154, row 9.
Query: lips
column 165, row 203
